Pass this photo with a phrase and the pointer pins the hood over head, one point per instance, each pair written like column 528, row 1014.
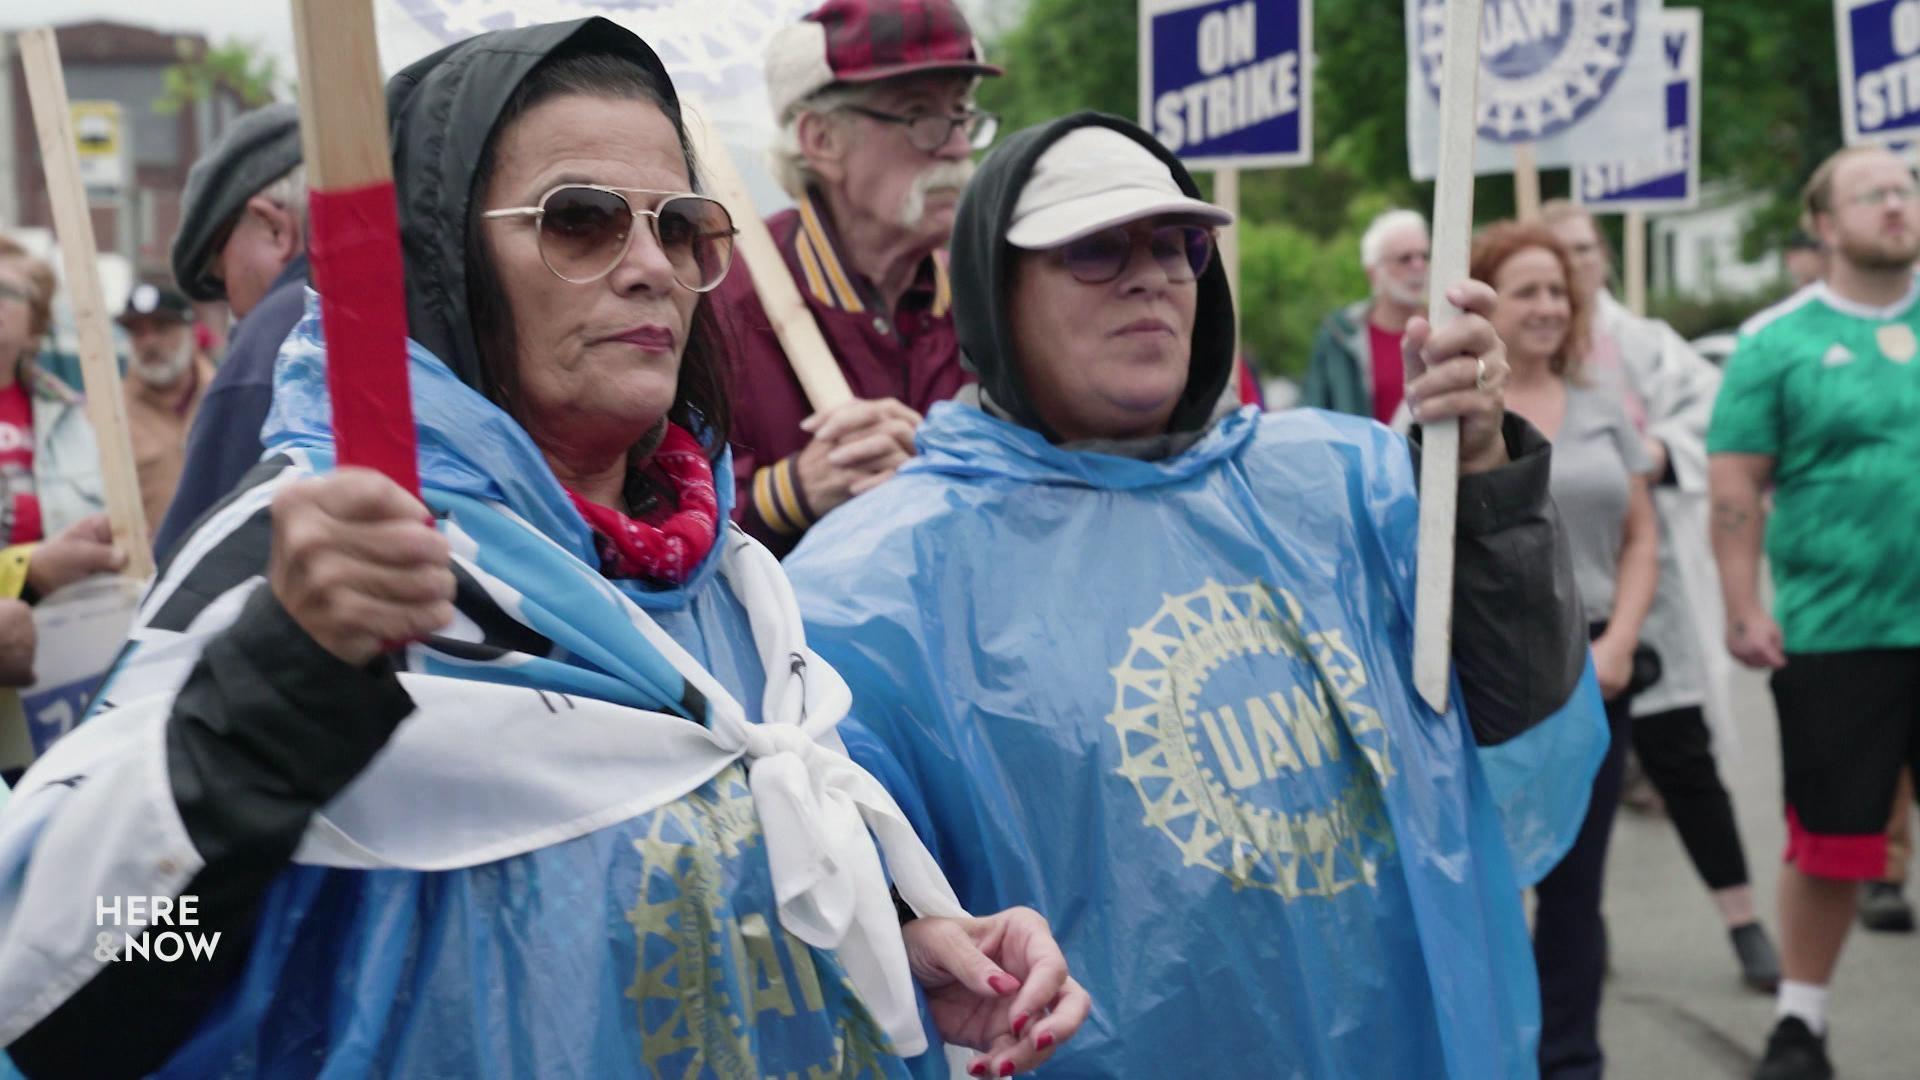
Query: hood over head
column 982, row 271
column 442, row 110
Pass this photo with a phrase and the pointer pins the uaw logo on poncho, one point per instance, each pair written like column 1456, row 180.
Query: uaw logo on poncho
column 1544, row 64
column 1250, row 743
column 689, row 938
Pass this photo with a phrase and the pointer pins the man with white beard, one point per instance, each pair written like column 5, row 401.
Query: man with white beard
column 166, row 379
column 874, row 99
column 1355, row 366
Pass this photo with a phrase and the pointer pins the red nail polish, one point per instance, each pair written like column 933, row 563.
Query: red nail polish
column 1006, row 1068
column 1003, row 984
column 979, row 1068
column 1044, row 1040
column 1019, row 1024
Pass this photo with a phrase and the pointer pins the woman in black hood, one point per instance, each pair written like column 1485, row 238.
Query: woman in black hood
column 1151, row 656
column 593, row 819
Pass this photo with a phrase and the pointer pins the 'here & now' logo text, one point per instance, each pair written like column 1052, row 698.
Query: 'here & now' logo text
column 150, row 928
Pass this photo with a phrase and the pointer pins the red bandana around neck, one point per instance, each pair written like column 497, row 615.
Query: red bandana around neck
column 667, row 543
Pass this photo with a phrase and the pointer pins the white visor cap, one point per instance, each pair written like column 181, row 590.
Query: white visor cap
column 1094, row 177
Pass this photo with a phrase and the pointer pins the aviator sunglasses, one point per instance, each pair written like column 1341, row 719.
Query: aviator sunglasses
column 1182, row 251
column 586, row 229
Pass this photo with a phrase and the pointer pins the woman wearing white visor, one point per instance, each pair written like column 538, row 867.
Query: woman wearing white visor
column 1142, row 660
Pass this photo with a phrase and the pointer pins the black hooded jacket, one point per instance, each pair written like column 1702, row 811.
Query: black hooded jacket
column 1519, row 642
column 442, row 109
column 270, row 726
column 982, row 269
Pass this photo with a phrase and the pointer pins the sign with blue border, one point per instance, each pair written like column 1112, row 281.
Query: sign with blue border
column 53, row 712
column 1545, row 65
column 1879, row 69
column 80, row 629
column 1667, row 177
column 1228, row 84
column 1560, row 76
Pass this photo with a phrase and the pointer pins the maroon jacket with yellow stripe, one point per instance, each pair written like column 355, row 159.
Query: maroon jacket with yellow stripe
column 911, row 355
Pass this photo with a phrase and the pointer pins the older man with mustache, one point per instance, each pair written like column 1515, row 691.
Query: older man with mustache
column 875, row 103
column 168, row 378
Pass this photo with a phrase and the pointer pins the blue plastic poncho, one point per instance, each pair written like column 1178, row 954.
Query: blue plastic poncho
column 1168, row 704
column 652, row 947
column 648, row 947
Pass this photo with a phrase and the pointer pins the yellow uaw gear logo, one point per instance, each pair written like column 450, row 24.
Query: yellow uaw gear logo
column 687, row 937
column 1169, row 743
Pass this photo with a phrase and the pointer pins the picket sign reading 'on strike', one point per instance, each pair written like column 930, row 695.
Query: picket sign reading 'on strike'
column 1879, row 68
column 1665, row 176
column 1226, row 83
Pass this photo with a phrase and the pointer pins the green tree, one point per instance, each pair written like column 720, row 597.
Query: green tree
column 1770, row 102
column 238, row 66
column 1063, row 56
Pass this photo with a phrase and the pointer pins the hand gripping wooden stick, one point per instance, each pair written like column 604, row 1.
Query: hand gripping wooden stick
column 354, row 236
column 1440, row 459
column 73, row 230
column 807, row 352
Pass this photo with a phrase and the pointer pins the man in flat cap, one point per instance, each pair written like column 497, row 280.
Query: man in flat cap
column 243, row 239
column 167, row 379
column 874, row 99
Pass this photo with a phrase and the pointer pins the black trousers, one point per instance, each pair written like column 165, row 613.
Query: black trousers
column 1677, row 753
column 1569, row 938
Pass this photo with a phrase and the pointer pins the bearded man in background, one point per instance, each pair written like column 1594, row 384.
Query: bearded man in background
column 167, row 377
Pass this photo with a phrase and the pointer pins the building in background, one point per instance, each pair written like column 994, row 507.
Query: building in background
column 1696, row 253
column 136, row 205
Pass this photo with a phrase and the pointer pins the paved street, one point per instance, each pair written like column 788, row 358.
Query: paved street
column 1675, row 1007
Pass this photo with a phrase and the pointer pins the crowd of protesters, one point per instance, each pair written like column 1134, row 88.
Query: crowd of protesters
column 676, row 726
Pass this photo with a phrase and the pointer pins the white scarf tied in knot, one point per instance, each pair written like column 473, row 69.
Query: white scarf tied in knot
column 821, row 814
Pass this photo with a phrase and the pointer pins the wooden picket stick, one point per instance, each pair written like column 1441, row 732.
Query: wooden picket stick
column 343, row 114
column 1440, row 458
column 73, row 229
column 1526, row 183
column 807, row 352
column 1636, row 259
column 354, row 238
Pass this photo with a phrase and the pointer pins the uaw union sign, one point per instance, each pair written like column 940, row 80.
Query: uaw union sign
column 1544, row 64
column 712, row 49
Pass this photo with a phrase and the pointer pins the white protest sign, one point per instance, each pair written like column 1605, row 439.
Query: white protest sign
column 1225, row 83
column 1879, row 69
column 80, row 630
column 1556, row 75
column 714, row 51
column 1666, row 174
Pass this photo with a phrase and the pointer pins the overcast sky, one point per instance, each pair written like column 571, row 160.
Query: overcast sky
column 268, row 22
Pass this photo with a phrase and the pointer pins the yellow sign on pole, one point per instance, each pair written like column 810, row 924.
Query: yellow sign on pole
column 99, row 136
